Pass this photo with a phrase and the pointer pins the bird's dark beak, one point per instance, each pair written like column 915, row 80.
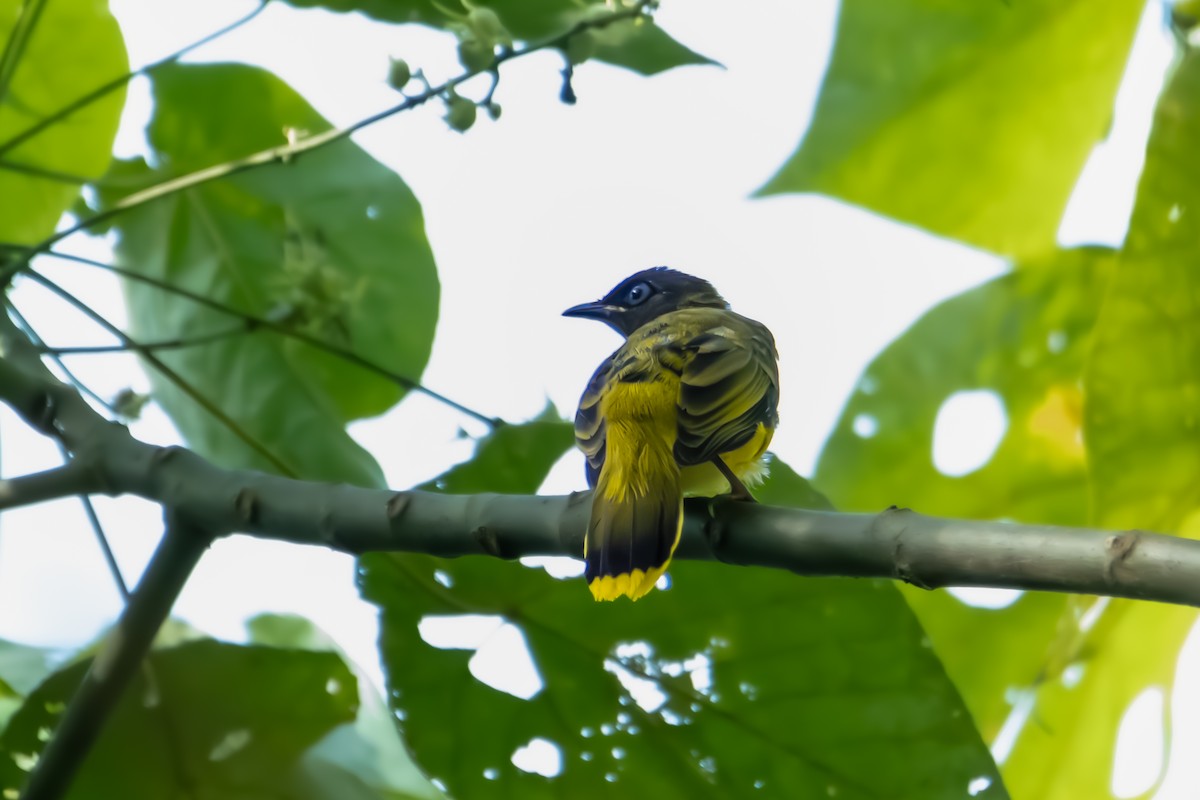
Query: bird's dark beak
column 596, row 310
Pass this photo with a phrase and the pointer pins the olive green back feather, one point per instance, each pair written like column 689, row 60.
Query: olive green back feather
column 729, row 382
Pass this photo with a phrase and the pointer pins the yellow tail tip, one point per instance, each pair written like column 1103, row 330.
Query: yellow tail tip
column 634, row 585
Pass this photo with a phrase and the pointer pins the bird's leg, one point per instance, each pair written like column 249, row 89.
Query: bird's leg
column 737, row 489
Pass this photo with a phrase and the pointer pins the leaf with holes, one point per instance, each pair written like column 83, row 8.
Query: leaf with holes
column 1142, row 435
column 1023, row 337
column 640, row 46
column 693, row 692
column 1067, row 747
column 972, row 120
column 332, row 244
column 72, row 48
column 215, row 720
column 1143, row 385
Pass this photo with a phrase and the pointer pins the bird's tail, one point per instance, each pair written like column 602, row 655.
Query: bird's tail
column 633, row 532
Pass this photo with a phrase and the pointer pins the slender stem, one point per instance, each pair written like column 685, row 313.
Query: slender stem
column 277, row 327
column 170, row 374
column 147, row 347
column 89, row 509
column 70, row 376
column 119, row 660
column 110, row 558
column 116, row 83
column 286, row 153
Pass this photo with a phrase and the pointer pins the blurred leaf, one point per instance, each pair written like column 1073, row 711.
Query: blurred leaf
column 1143, row 382
column 641, row 47
column 1065, row 750
column 215, row 721
column 76, row 47
column 22, row 668
column 732, row 681
column 972, row 120
column 363, row 760
column 290, row 632
column 992, row 654
column 1141, row 424
column 333, row 244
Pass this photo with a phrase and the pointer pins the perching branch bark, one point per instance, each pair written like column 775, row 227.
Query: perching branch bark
column 896, row 543
column 202, row 502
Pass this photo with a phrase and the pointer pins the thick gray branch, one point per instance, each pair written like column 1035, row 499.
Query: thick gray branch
column 118, row 661
column 900, row 544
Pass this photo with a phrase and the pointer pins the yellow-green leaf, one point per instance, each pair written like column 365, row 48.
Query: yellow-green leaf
column 970, row 119
column 73, row 48
column 1143, row 383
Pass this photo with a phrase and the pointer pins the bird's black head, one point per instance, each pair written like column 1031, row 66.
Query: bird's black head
column 648, row 294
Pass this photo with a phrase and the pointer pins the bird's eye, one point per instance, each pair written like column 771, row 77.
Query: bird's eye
column 637, row 294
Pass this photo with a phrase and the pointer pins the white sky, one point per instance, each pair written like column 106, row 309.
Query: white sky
column 547, row 208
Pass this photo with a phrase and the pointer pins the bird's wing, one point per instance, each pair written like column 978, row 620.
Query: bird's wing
column 729, row 385
column 589, row 424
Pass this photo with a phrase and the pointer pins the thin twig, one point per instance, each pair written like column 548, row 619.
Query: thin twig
column 113, row 668
column 278, row 327
column 289, row 152
column 52, row 484
column 110, row 558
column 116, row 83
column 70, row 376
column 89, row 509
column 147, row 347
column 169, row 373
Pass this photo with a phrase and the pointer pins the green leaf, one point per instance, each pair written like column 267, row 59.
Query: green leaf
column 215, row 720
column 75, row 48
column 733, row 680
column 972, row 120
column 1140, row 421
column 22, row 668
column 1065, row 750
column 1022, row 336
column 513, row 459
column 1143, row 410
column 642, row 47
column 363, row 760
column 332, row 244
column 1025, row 336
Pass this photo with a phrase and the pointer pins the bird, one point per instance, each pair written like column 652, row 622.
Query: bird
column 686, row 406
